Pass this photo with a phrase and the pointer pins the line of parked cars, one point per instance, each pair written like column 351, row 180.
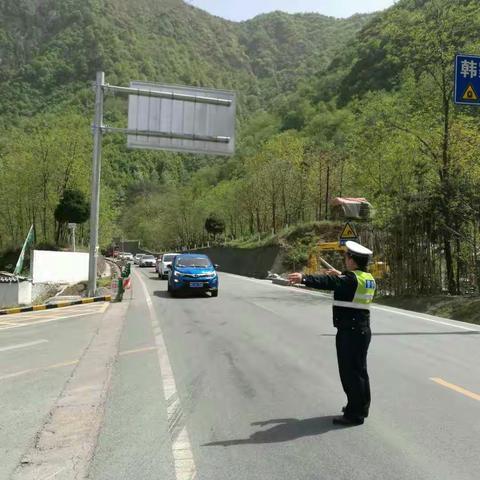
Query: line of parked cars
column 184, row 272
column 144, row 260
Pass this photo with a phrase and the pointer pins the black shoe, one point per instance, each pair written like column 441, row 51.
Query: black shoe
column 344, row 408
column 346, row 421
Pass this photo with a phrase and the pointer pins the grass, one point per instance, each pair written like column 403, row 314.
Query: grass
column 104, row 282
column 254, row 242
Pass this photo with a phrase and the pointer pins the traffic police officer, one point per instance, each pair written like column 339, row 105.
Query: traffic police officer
column 353, row 293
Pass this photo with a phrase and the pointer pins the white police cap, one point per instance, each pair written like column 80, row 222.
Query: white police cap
column 356, row 249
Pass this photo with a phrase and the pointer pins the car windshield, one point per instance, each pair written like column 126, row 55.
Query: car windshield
column 149, row 257
column 193, row 262
column 168, row 258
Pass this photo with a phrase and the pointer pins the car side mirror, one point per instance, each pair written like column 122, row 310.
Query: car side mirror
column 216, row 266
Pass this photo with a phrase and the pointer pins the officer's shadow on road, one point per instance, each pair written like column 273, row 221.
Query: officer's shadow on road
column 284, row 430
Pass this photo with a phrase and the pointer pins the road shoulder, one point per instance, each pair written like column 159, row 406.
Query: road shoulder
column 64, row 446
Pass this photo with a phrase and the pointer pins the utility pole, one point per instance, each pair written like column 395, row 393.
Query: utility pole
column 96, row 170
column 72, row 227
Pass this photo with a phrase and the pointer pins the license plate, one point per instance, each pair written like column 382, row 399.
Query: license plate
column 196, row 285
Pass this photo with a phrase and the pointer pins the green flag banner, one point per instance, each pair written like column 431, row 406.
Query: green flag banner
column 21, row 258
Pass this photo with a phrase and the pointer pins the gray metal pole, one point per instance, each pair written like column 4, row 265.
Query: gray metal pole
column 96, row 169
column 73, row 237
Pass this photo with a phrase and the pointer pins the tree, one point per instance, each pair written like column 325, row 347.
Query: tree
column 72, row 208
column 214, row 225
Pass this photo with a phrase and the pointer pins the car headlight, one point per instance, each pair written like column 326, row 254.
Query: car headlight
column 177, row 274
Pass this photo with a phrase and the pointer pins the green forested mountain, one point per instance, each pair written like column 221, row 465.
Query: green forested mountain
column 51, row 49
column 361, row 106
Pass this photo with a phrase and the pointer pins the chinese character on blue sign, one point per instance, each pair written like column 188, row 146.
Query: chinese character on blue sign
column 467, row 79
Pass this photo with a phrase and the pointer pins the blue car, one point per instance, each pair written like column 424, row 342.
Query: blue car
column 192, row 272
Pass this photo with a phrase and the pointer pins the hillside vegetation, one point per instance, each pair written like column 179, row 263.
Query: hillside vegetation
column 50, row 51
column 327, row 107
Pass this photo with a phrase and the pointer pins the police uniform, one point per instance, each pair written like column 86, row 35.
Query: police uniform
column 353, row 294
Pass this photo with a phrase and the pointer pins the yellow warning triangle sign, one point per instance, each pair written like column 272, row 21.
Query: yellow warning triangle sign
column 470, row 94
column 348, row 232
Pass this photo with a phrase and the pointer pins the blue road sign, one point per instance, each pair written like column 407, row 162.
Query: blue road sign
column 467, row 79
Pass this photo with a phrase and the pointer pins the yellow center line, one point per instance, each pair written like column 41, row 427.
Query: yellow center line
column 91, row 307
column 138, row 350
column 67, row 364
column 54, row 314
column 456, row 388
column 34, row 370
column 33, row 323
column 44, row 314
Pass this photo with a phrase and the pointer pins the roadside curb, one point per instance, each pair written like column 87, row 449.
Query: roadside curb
column 36, row 308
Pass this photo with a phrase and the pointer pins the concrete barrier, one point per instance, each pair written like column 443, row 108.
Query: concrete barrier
column 49, row 306
column 250, row 262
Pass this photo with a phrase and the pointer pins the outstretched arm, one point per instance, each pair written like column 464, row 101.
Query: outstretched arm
column 328, row 280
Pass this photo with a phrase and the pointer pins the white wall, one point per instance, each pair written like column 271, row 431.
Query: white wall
column 59, row 267
column 24, row 293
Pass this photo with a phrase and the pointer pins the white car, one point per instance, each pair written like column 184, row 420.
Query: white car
column 147, row 261
column 166, row 261
column 127, row 257
column 137, row 258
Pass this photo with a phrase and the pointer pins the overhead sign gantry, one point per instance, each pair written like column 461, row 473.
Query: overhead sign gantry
column 161, row 117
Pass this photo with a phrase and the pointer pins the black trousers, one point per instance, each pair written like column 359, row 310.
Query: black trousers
column 352, row 347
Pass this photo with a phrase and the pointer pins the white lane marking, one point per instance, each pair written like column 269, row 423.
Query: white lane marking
column 374, row 307
column 22, row 345
column 406, row 314
column 184, row 462
column 54, row 474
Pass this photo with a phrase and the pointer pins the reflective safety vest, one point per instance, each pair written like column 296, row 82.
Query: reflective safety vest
column 363, row 294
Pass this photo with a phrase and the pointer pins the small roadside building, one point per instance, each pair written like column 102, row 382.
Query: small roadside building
column 349, row 208
column 14, row 290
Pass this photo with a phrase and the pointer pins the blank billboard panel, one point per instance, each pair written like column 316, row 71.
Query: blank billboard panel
column 206, row 128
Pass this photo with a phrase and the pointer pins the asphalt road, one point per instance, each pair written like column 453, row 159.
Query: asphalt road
column 244, row 386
